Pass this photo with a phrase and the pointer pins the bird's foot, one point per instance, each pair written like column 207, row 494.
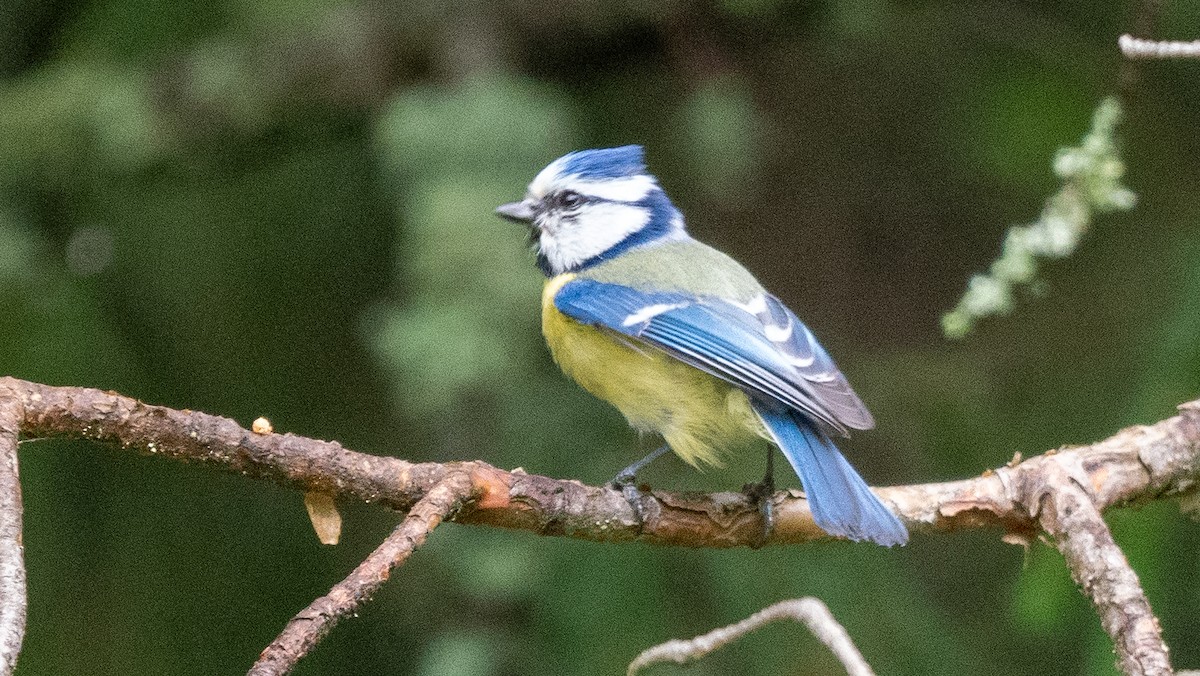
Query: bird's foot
column 762, row 493
column 626, row 482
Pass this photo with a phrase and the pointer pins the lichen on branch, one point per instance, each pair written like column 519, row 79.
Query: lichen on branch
column 1091, row 184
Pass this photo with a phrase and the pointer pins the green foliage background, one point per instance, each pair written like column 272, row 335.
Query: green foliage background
column 283, row 208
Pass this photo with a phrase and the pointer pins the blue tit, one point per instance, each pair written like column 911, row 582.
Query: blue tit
column 685, row 342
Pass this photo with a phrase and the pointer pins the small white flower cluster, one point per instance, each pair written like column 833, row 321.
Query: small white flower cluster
column 1091, row 175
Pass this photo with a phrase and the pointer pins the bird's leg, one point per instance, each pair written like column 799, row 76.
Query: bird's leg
column 761, row 493
column 627, row 475
column 626, row 482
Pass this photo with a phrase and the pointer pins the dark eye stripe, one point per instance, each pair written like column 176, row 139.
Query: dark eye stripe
column 569, row 199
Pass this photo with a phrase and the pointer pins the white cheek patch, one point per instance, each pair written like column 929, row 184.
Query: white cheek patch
column 594, row 229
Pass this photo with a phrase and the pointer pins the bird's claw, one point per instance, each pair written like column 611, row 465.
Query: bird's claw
column 627, row 484
column 761, row 493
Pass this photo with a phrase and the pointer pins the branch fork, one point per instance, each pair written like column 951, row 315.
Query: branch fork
column 1062, row 493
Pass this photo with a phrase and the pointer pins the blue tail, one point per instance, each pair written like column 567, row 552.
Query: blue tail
column 840, row 500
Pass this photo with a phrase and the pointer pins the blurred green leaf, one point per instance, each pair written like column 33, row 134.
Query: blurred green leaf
column 1045, row 593
column 470, row 317
column 458, row 654
column 73, row 118
column 723, row 135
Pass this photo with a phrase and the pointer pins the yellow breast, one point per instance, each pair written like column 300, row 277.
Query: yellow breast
column 698, row 415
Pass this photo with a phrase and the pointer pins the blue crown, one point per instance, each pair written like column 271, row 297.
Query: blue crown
column 606, row 162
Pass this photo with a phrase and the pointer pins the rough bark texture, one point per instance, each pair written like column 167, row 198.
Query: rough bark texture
column 1136, row 465
column 12, row 549
column 1061, row 492
column 1102, row 571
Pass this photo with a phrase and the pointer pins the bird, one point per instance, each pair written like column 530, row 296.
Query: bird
column 685, row 342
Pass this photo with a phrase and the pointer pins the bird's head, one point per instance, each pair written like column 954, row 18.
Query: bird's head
column 591, row 205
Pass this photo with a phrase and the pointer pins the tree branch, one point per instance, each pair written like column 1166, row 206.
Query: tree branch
column 1062, row 491
column 313, row 623
column 1101, row 569
column 12, row 549
column 811, row 611
column 1138, row 464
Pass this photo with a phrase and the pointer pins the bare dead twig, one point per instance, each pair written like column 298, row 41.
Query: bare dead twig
column 313, row 623
column 1138, row 48
column 12, row 550
column 811, row 611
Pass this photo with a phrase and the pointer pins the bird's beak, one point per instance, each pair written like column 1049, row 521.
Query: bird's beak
column 519, row 212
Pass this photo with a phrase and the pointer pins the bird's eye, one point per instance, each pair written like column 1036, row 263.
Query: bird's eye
column 570, row 198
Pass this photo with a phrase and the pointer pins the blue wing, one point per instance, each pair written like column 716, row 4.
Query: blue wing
column 794, row 386
column 760, row 347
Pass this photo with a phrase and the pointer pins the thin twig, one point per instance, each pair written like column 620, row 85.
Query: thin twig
column 313, row 623
column 12, row 559
column 811, row 611
column 1138, row 48
column 1146, row 18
